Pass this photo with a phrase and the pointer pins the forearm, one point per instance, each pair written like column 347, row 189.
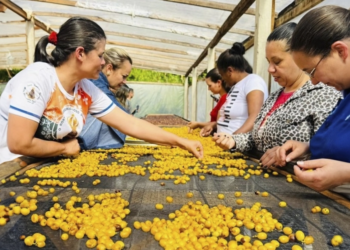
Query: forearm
column 243, row 142
column 37, row 148
column 247, row 126
column 140, row 129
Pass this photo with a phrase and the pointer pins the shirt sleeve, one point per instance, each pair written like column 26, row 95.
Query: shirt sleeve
column 254, row 83
column 244, row 142
column 101, row 104
column 30, row 91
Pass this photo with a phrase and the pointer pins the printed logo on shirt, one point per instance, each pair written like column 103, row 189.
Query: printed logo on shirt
column 31, row 93
column 347, row 117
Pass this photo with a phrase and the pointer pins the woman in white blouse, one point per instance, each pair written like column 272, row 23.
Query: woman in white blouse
column 247, row 94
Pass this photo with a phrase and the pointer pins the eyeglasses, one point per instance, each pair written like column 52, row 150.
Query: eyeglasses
column 312, row 73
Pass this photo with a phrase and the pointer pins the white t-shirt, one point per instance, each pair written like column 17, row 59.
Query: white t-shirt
column 36, row 94
column 234, row 112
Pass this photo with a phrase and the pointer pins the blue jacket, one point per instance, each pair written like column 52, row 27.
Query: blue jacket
column 96, row 134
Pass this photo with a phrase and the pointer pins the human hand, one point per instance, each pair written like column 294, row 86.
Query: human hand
column 191, row 126
column 289, row 151
column 194, row 147
column 72, row 148
column 206, row 130
column 269, row 158
column 324, row 173
column 224, row 140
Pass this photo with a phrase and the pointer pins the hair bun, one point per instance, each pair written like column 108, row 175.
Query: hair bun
column 237, row 48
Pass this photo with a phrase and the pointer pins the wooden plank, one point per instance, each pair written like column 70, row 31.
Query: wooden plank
column 139, row 46
column 2, row 8
column 62, row 2
column 30, row 40
column 230, row 21
column 290, row 12
column 213, row 5
column 186, row 98
column 209, row 100
column 151, row 16
column 194, row 95
column 26, row 15
column 262, row 30
column 297, row 9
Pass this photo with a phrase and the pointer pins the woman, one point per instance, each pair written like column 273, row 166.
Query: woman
column 245, row 98
column 296, row 110
column 321, row 47
column 52, row 97
column 112, row 78
column 217, row 87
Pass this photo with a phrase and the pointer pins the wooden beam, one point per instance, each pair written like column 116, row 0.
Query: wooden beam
column 26, row 15
column 209, row 100
column 186, row 98
column 13, row 35
column 2, row 8
column 30, row 39
column 263, row 29
column 238, row 11
column 296, row 10
column 213, row 5
column 139, row 46
column 151, row 16
column 194, row 95
column 290, row 12
column 62, row 2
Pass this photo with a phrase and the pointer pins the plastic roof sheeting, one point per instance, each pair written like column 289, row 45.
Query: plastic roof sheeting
column 159, row 35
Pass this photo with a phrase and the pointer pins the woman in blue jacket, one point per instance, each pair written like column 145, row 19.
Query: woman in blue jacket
column 96, row 134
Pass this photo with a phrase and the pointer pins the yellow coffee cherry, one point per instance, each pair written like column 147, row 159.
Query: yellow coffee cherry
column 2, row 221
column 337, row 240
column 289, row 179
column 159, row 206
column 19, row 199
column 51, row 190
column 169, row 199
column 55, row 199
column 297, row 247
column 264, row 194
column 299, row 235
column 318, row 209
column 91, row 243
column 29, row 241
column 12, row 193
column 189, row 195
column 172, row 216
column 64, row 236
column 275, row 173
column 287, row 230
column 221, row 196
column 325, row 210
column 266, row 175
column 282, row 204
column 137, row 225
column 238, row 194
column 308, row 240
column 283, row 239
column 25, row 211
column 262, row 236
column 202, row 177
column 239, row 201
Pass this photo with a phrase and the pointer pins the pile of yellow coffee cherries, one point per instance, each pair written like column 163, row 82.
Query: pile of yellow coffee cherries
column 197, row 226
column 99, row 220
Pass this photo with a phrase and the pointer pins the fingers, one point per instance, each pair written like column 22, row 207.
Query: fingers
column 303, row 175
column 311, row 164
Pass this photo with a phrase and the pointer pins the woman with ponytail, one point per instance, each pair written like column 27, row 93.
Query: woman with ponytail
column 44, row 107
column 245, row 98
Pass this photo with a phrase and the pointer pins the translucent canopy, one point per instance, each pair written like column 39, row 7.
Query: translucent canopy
column 162, row 35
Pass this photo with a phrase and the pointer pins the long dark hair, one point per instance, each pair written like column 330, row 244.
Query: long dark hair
column 283, row 33
column 75, row 32
column 215, row 76
column 234, row 57
column 319, row 29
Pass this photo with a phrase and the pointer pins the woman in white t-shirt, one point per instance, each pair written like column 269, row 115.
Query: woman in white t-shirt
column 44, row 107
column 245, row 98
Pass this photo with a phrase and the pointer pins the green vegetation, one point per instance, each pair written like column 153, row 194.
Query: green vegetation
column 144, row 75
column 4, row 77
